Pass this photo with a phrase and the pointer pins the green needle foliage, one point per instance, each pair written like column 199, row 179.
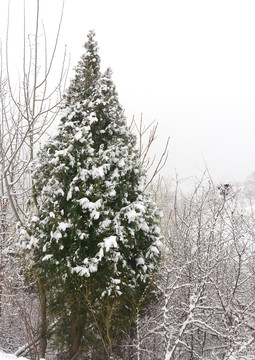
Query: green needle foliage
column 95, row 239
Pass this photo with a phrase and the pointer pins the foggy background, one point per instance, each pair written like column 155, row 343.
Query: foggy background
column 189, row 65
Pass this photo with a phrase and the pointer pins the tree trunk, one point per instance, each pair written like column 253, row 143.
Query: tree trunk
column 43, row 330
column 75, row 330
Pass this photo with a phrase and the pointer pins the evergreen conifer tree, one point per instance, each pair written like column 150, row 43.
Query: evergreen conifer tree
column 95, row 238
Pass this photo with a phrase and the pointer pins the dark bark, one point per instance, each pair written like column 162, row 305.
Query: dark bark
column 76, row 332
column 43, row 330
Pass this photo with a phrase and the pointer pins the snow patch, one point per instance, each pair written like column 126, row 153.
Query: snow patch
column 110, row 242
column 131, row 215
column 140, row 261
column 47, row 257
column 4, row 356
column 91, row 206
column 78, row 135
column 121, row 163
column 99, row 172
column 64, row 225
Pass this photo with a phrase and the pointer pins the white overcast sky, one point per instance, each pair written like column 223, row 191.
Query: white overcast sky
column 188, row 64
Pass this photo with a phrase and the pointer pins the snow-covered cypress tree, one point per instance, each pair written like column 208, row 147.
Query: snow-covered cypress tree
column 95, row 239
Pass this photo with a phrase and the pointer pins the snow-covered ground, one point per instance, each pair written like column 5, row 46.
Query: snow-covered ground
column 4, row 356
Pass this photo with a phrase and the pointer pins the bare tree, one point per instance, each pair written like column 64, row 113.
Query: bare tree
column 204, row 296
column 147, row 135
column 28, row 107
